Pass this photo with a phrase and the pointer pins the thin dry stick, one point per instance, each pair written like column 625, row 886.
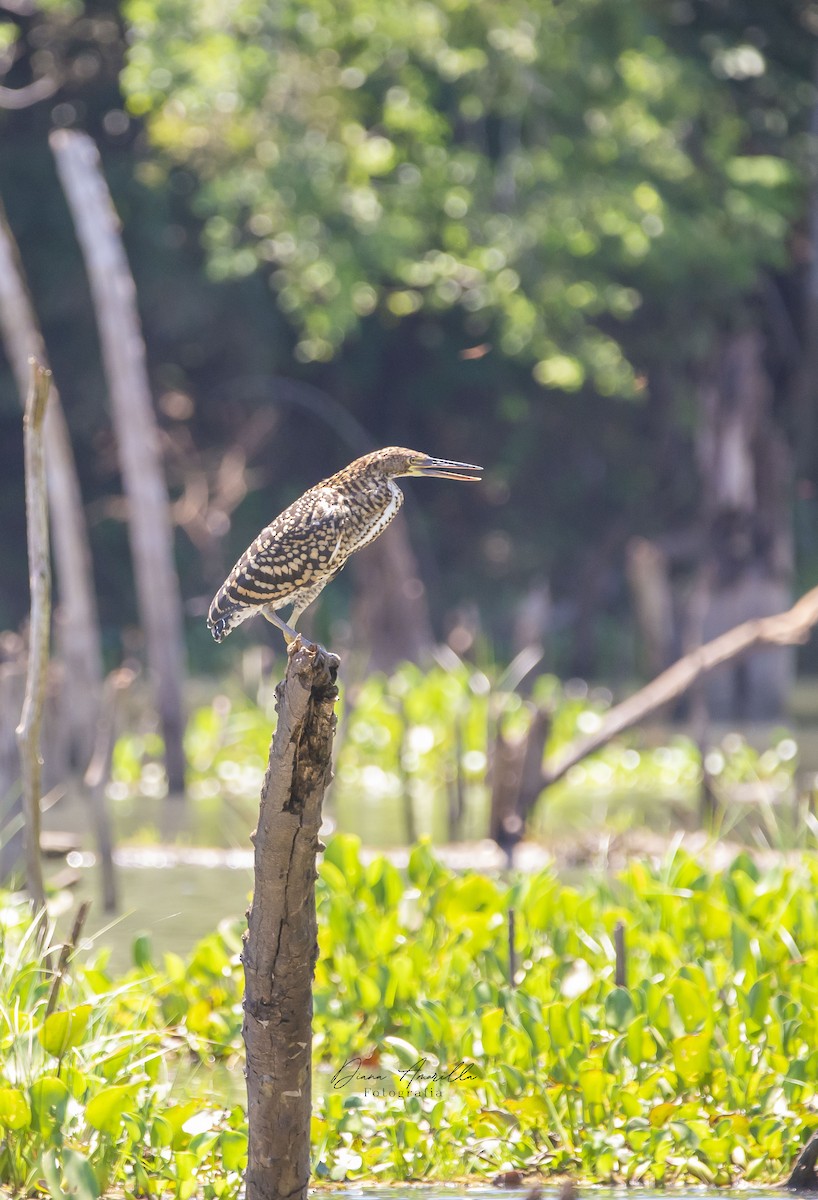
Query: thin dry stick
column 39, row 570
column 68, row 948
column 786, row 629
column 512, row 952
column 621, row 970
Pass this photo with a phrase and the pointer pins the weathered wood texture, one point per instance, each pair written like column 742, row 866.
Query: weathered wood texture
column 79, row 642
column 281, row 945
column 39, row 573
column 123, row 353
column 804, row 1177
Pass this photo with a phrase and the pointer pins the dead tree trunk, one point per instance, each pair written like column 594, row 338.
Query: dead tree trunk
column 516, row 779
column 746, row 471
column 39, row 573
column 281, row 946
column 78, row 631
column 390, row 602
column 123, row 351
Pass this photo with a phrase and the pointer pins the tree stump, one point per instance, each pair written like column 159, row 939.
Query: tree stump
column 803, row 1177
column 281, row 946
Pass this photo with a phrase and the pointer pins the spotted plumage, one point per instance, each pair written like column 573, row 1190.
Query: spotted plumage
column 294, row 558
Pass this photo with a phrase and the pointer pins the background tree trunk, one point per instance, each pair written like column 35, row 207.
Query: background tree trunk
column 281, row 943
column 748, row 559
column 390, row 613
column 123, row 351
column 78, row 625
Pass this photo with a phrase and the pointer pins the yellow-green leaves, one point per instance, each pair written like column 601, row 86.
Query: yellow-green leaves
column 64, row 1029
column 15, row 1112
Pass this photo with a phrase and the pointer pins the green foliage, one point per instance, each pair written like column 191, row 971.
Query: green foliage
column 545, row 168
column 703, row 1068
column 429, row 1063
column 87, row 1099
column 410, row 741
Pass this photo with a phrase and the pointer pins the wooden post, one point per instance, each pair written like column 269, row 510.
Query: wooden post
column 39, row 573
column 281, row 946
column 123, row 352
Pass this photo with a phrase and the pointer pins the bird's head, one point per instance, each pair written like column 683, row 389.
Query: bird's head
column 397, row 460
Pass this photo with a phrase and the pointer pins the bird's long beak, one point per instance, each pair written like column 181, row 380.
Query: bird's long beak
column 442, row 468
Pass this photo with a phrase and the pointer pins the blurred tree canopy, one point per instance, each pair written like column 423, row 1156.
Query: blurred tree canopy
column 548, row 168
column 506, row 232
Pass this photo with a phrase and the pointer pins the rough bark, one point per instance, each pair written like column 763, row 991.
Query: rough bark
column 123, row 352
column 804, row 1177
column 78, row 628
column 281, row 944
column 516, row 779
column 746, row 471
column 39, row 572
column 785, row 629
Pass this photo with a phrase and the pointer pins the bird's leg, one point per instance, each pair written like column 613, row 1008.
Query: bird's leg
column 272, row 616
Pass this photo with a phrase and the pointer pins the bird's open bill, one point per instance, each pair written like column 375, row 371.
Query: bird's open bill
column 441, row 468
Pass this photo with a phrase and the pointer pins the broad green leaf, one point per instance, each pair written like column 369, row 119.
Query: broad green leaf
column 234, row 1149
column 406, row 1054
column 557, row 1020
column 593, row 1084
column 64, row 1029
column 491, row 1022
column 691, row 1057
column 15, row 1112
column 104, row 1111
column 619, row 1009
column 691, row 1003
column 142, row 951
column 49, row 1098
column 343, row 851
column 79, row 1175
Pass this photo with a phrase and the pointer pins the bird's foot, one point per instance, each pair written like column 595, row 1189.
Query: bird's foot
column 297, row 642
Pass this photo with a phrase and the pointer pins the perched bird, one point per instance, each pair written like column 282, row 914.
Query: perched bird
column 294, row 558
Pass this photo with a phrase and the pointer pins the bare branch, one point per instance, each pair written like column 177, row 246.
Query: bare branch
column 786, row 629
column 39, row 569
column 32, row 93
column 20, row 8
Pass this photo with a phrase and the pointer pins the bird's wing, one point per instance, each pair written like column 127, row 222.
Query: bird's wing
column 301, row 545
